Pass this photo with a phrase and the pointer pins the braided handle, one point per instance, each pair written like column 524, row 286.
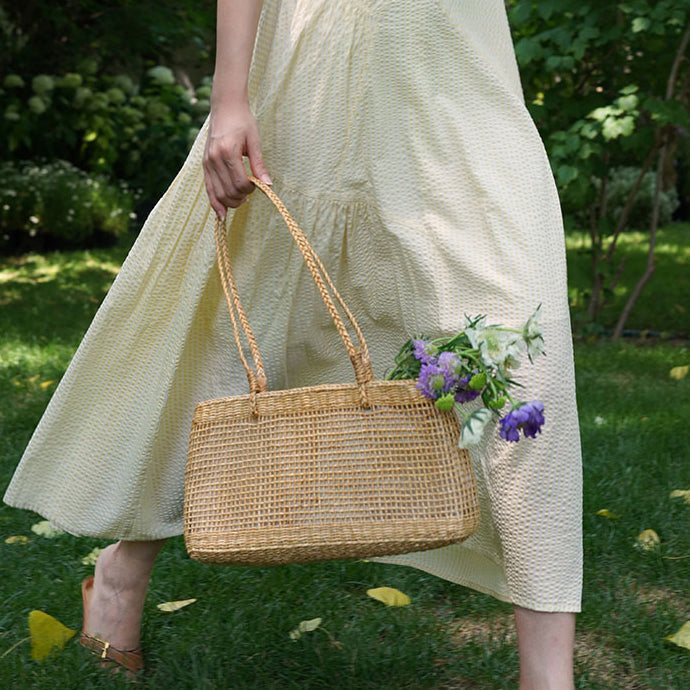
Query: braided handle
column 359, row 356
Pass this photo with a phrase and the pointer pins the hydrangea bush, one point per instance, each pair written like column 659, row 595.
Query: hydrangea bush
column 106, row 124
column 477, row 363
column 51, row 205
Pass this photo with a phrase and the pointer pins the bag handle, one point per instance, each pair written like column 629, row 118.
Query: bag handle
column 359, row 356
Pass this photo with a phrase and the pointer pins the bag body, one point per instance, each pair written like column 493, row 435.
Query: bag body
column 324, row 472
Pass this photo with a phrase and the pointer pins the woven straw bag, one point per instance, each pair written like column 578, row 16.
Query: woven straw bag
column 323, row 472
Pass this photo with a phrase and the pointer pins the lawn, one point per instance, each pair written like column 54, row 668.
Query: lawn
column 236, row 635
column 663, row 307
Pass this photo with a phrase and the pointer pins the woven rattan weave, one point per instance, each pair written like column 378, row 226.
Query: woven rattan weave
column 325, row 472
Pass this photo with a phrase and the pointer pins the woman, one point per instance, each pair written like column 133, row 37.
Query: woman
column 397, row 134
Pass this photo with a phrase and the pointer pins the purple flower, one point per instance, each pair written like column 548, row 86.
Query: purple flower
column 450, row 363
column 463, row 392
column 528, row 417
column 434, row 381
column 424, row 351
column 465, row 395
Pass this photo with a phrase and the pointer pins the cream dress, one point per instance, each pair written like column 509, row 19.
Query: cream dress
column 396, row 133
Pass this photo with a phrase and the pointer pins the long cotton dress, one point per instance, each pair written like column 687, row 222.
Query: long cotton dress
column 397, row 135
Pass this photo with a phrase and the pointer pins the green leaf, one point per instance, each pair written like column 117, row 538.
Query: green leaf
column 521, row 12
column 615, row 127
column 528, row 49
column 566, row 174
column 669, row 112
column 629, row 102
column 640, row 24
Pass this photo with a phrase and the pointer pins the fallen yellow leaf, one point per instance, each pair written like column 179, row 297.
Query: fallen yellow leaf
column 170, row 606
column 34, row 378
column 18, row 539
column 681, row 493
column 47, row 384
column 682, row 637
column 304, row 627
column 605, row 512
column 47, row 634
column 679, row 373
column 91, row 557
column 44, row 529
column 389, row 596
column 648, row 540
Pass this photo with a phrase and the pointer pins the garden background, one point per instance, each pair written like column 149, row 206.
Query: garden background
column 99, row 102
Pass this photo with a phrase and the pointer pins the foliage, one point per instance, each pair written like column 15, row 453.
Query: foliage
column 104, row 123
column 37, row 36
column 620, row 183
column 607, row 82
column 664, row 312
column 49, row 205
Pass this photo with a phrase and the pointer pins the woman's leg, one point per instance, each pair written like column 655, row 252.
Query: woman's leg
column 120, row 583
column 545, row 642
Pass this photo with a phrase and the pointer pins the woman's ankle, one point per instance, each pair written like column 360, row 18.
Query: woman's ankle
column 546, row 642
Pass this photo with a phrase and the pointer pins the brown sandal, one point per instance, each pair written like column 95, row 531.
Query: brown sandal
column 131, row 660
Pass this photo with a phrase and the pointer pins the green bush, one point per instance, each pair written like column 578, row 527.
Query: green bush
column 619, row 186
column 53, row 205
column 103, row 123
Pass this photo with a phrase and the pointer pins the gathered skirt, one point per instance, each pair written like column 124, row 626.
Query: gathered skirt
column 397, row 135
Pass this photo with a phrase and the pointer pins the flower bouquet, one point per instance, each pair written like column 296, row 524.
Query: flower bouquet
column 477, row 362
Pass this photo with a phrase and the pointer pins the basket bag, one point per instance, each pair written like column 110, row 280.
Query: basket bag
column 325, row 472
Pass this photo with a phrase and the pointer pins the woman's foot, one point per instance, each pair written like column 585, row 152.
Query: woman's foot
column 119, row 590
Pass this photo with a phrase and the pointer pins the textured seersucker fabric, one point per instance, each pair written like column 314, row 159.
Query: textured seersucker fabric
column 397, row 135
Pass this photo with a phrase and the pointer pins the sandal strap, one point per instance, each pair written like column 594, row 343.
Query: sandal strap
column 130, row 659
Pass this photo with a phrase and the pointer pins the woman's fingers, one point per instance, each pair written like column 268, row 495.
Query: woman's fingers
column 256, row 159
column 232, row 135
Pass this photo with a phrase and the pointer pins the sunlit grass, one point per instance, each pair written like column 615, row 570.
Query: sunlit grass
column 663, row 306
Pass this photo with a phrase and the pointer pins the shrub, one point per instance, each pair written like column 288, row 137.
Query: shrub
column 621, row 182
column 104, row 124
column 53, row 205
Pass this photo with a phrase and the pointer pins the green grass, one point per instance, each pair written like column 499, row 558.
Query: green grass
column 633, row 417
column 663, row 305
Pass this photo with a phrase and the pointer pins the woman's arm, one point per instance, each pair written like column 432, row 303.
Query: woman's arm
column 233, row 131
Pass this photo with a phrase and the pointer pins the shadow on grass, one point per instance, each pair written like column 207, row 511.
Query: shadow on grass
column 54, row 296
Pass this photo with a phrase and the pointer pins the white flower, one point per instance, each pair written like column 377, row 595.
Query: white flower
column 501, row 349
column 473, row 427
column 532, row 335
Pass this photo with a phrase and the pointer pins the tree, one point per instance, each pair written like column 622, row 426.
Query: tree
column 122, row 35
column 607, row 83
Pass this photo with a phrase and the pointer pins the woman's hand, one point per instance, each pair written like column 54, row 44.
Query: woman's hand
column 233, row 133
